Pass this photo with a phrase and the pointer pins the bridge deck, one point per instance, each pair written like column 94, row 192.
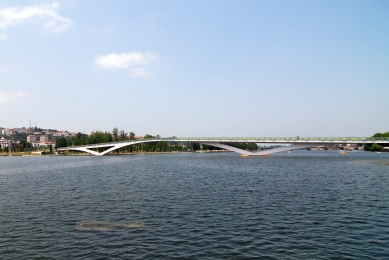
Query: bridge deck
column 280, row 140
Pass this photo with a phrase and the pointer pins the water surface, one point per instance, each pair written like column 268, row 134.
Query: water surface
column 302, row 205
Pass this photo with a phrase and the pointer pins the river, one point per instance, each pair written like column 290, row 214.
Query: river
column 299, row 205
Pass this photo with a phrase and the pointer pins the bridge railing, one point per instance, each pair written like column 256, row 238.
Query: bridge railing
column 283, row 138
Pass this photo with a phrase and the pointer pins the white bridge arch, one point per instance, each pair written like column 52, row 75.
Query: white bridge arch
column 292, row 143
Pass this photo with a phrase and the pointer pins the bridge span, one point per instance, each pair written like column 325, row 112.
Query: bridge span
column 292, row 143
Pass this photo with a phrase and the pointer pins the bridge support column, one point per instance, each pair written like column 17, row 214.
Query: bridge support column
column 227, row 147
column 110, row 149
column 87, row 151
column 284, row 148
column 275, row 150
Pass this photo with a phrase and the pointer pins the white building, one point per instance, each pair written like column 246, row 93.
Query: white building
column 26, row 130
column 62, row 133
column 7, row 143
column 5, row 132
column 44, row 138
column 31, row 138
column 42, row 144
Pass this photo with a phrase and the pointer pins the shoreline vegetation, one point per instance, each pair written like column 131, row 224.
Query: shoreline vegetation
column 376, row 147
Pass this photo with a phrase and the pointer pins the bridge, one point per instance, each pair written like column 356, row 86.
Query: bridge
column 292, row 143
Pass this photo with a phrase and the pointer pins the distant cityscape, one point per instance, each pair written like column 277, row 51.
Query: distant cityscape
column 37, row 137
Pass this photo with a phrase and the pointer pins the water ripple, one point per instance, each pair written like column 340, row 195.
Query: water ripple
column 315, row 205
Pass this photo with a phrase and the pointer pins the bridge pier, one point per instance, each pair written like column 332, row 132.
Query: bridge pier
column 84, row 149
column 275, row 150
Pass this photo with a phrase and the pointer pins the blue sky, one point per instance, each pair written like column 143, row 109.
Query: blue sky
column 196, row 68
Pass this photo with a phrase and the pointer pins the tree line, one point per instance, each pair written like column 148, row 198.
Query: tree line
column 376, row 146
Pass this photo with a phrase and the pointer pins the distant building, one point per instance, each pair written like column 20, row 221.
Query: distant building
column 26, row 130
column 5, row 132
column 3, row 143
column 31, row 138
column 62, row 133
column 42, row 144
column 7, row 143
column 351, row 147
column 44, row 138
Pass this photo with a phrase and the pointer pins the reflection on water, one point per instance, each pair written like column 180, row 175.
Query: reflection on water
column 107, row 226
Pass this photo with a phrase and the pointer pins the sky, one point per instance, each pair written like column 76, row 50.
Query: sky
column 196, row 68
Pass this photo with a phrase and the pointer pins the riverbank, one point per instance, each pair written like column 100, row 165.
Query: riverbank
column 27, row 154
column 19, row 154
column 121, row 153
column 135, row 153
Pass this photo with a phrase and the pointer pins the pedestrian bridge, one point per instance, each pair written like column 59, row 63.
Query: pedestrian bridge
column 292, row 143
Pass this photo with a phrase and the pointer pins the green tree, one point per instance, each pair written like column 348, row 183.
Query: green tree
column 79, row 139
column 381, row 135
column 28, row 145
column 378, row 136
column 115, row 132
column 21, row 146
column 132, row 135
column 99, row 137
column 195, row 146
column 60, row 142
column 123, row 135
column 375, row 147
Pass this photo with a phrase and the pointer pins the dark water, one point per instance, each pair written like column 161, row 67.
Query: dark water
column 302, row 205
